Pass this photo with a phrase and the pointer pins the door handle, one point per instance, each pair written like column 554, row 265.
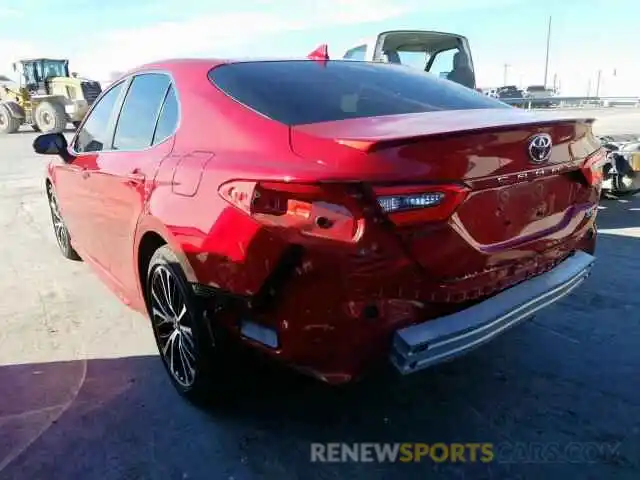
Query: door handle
column 82, row 170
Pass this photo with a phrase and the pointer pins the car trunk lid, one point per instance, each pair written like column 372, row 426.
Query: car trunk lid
column 516, row 205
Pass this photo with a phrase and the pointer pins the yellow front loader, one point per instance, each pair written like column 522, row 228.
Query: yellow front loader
column 47, row 97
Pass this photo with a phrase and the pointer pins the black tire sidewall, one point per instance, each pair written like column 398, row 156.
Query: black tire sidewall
column 67, row 250
column 205, row 350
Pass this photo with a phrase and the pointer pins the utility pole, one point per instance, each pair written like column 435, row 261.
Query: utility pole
column 504, row 78
column 598, row 83
column 589, row 88
column 546, row 61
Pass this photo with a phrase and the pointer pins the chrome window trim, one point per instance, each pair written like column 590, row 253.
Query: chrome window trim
column 115, row 114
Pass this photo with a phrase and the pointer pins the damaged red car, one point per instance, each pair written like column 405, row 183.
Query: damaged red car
column 328, row 213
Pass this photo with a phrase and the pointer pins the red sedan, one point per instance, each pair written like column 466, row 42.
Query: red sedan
column 327, row 213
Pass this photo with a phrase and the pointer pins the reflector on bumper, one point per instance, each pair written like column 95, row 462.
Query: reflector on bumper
column 445, row 338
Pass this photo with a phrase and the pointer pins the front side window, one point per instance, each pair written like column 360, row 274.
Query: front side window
column 95, row 134
column 140, row 111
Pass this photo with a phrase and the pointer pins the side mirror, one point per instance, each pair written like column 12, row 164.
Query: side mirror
column 53, row 144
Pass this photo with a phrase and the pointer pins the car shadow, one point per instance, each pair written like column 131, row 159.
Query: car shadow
column 545, row 383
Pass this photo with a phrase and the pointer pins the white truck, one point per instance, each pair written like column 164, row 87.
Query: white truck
column 446, row 55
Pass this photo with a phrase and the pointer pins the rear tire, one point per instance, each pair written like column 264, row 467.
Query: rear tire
column 50, row 117
column 8, row 122
column 190, row 352
column 60, row 228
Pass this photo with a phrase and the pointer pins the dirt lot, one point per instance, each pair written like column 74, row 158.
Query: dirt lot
column 83, row 394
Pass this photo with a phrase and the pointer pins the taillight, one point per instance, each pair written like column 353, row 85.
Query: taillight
column 420, row 203
column 592, row 167
column 325, row 211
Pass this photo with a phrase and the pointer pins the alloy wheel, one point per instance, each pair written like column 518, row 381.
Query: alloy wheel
column 173, row 326
column 59, row 228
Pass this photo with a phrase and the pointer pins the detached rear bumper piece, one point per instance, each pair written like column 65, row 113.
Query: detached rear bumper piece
column 435, row 341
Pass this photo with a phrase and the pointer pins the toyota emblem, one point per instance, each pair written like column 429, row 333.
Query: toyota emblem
column 540, row 148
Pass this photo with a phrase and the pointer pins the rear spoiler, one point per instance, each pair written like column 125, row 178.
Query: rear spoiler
column 395, row 130
column 320, row 54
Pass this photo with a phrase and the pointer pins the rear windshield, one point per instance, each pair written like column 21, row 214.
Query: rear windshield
column 305, row 91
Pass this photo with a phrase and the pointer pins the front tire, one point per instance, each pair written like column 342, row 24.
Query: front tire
column 60, row 228
column 50, row 117
column 189, row 351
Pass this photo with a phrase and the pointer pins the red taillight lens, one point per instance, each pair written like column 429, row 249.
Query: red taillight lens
column 592, row 167
column 420, row 203
column 316, row 211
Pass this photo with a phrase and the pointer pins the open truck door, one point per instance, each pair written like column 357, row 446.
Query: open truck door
column 446, row 55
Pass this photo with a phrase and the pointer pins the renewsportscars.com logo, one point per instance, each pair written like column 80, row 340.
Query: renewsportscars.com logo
column 504, row 452
column 402, row 452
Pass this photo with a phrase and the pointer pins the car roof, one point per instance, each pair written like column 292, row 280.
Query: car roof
column 185, row 64
column 188, row 65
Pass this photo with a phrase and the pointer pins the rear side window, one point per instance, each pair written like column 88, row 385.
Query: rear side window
column 168, row 121
column 304, row 91
column 140, row 111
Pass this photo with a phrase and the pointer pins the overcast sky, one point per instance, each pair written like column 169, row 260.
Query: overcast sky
column 101, row 37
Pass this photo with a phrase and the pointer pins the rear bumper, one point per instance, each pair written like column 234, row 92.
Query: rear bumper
column 435, row 341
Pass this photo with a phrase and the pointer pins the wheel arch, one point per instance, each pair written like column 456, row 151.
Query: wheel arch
column 151, row 235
